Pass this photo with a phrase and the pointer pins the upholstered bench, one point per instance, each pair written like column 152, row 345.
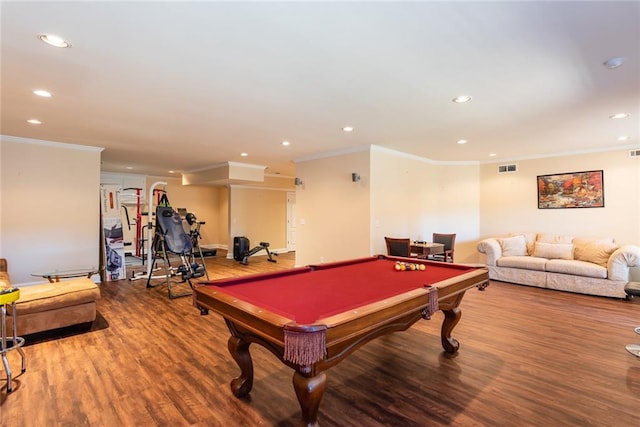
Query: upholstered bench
column 56, row 305
column 52, row 305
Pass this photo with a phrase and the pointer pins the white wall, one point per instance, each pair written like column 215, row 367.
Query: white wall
column 222, row 217
column 508, row 202
column 260, row 215
column 1, row 255
column 414, row 197
column 333, row 213
column 50, row 215
column 399, row 195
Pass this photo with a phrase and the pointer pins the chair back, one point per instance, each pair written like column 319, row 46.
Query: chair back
column 398, row 246
column 448, row 240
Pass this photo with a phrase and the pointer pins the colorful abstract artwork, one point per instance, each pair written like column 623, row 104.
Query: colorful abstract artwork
column 571, row 190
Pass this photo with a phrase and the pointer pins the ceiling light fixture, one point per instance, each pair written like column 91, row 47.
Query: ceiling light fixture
column 43, row 93
column 244, row 154
column 462, row 141
column 34, row 122
column 624, row 138
column 348, row 129
column 286, row 143
column 53, row 40
column 492, row 155
column 619, row 116
column 613, row 63
column 461, row 99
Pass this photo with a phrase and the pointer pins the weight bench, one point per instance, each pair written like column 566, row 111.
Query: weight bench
column 633, row 289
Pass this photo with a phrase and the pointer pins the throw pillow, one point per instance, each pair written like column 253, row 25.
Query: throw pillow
column 582, row 245
column 530, row 238
column 553, row 250
column 554, row 238
column 513, row 246
column 597, row 252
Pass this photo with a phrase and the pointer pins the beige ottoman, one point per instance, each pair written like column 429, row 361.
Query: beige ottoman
column 55, row 305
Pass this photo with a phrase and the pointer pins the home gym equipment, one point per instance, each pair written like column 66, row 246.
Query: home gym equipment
column 138, row 221
column 146, row 233
column 171, row 238
column 242, row 253
column 195, row 236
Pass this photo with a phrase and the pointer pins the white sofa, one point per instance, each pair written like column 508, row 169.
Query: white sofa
column 594, row 266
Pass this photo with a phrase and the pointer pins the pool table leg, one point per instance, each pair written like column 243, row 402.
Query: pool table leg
column 309, row 391
column 451, row 319
column 239, row 349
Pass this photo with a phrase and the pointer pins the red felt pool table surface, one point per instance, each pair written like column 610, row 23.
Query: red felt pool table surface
column 308, row 294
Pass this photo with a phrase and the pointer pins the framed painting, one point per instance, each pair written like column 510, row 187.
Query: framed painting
column 571, row 190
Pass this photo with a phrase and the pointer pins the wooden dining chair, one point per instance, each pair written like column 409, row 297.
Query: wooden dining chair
column 398, row 246
column 449, row 242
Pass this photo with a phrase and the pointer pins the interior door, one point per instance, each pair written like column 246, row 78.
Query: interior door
column 291, row 221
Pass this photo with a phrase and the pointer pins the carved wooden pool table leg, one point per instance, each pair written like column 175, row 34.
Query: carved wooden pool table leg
column 239, row 349
column 451, row 319
column 309, row 391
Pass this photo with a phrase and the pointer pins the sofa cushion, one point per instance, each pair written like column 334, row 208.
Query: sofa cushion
column 576, row 268
column 597, row 252
column 553, row 250
column 524, row 262
column 513, row 246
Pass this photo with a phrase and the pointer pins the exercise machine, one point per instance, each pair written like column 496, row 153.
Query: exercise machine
column 195, row 236
column 241, row 251
column 169, row 239
column 139, row 243
column 146, row 233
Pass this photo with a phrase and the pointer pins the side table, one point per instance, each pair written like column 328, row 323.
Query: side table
column 55, row 276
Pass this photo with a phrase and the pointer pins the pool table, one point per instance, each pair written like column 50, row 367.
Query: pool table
column 313, row 317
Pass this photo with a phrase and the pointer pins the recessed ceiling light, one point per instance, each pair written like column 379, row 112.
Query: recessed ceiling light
column 286, row 143
column 34, row 122
column 43, row 93
column 128, row 167
column 619, row 116
column 172, row 171
column 492, row 155
column 461, row 99
column 624, row 138
column 613, row 63
column 348, row 129
column 53, row 40
column 462, row 141
column 244, row 154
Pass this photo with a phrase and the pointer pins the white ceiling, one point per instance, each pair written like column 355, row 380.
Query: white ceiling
column 188, row 85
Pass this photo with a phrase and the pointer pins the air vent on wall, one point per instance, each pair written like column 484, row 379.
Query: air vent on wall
column 634, row 153
column 507, row 168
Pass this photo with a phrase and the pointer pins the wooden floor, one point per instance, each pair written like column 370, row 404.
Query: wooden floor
column 528, row 357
